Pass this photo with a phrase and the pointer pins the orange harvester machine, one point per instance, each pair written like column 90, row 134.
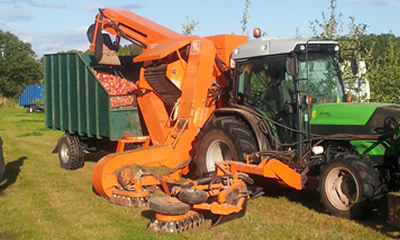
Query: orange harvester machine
column 176, row 82
column 180, row 84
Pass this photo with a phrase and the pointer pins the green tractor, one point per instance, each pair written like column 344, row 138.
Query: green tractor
column 287, row 101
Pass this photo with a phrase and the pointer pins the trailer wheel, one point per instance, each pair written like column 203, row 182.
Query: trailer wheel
column 168, row 206
column 222, row 139
column 32, row 109
column 350, row 187
column 70, row 152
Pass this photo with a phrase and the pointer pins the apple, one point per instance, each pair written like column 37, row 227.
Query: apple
column 115, row 85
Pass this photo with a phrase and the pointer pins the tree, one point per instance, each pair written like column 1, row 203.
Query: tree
column 331, row 26
column 245, row 17
column 297, row 34
column 129, row 50
column 189, row 27
column 125, row 50
column 72, row 51
column 18, row 65
column 383, row 65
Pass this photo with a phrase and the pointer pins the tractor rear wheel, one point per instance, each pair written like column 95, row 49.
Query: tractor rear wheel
column 350, row 186
column 222, row 139
column 70, row 152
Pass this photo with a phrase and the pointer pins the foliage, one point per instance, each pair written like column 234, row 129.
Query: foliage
column 383, row 65
column 380, row 53
column 297, row 34
column 129, row 50
column 18, row 65
column 353, row 43
column 331, row 26
column 189, row 27
column 125, row 50
column 245, row 17
column 38, row 103
column 75, row 51
column 7, row 102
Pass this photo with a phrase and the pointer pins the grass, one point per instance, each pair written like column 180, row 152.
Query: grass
column 39, row 200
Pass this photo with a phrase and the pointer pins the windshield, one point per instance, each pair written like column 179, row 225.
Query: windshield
column 323, row 80
column 265, row 85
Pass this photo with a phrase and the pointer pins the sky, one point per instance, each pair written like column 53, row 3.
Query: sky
column 53, row 26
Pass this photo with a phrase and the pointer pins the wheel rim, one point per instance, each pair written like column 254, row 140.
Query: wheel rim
column 218, row 151
column 342, row 189
column 64, row 153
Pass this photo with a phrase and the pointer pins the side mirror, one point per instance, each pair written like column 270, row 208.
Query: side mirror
column 291, row 66
column 354, row 66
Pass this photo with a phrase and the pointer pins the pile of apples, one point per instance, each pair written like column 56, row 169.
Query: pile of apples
column 117, row 86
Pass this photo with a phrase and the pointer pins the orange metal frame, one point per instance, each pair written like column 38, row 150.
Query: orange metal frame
column 174, row 218
column 132, row 25
column 143, row 140
column 269, row 168
column 220, row 206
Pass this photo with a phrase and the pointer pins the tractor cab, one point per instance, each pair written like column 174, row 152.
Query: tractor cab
column 282, row 79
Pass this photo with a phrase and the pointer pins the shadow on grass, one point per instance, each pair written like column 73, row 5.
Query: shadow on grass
column 379, row 221
column 89, row 156
column 149, row 214
column 307, row 198
column 94, row 156
column 311, row 199
column 34, row 134
column 12, row 171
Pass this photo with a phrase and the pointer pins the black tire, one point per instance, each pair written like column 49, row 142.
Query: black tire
column 70, row 152
column 350, row 187
column 223, row 138
column 192, row 196
column 168, row 206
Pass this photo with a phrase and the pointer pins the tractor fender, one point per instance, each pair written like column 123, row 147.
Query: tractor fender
column 251, row 119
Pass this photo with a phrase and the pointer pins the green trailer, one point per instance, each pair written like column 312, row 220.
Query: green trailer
column 77, row 103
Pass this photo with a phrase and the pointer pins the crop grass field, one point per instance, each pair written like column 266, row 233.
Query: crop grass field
column 39, row 200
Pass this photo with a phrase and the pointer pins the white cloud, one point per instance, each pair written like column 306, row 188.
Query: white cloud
column 52, row 5
column 386, row 3
column 78, row 30
column 50, row 46
column 94, row 6
column 26, row 38
column 49, row 43
column 10, row 15
column 82, row 47
column 30, row 3
column 130, row 6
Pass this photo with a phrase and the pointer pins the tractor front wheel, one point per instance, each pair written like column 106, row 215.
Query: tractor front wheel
column 70, row 152
column 222, row 139
column 349, row 186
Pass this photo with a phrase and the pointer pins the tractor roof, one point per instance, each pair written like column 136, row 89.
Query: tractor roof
column 267, row 46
